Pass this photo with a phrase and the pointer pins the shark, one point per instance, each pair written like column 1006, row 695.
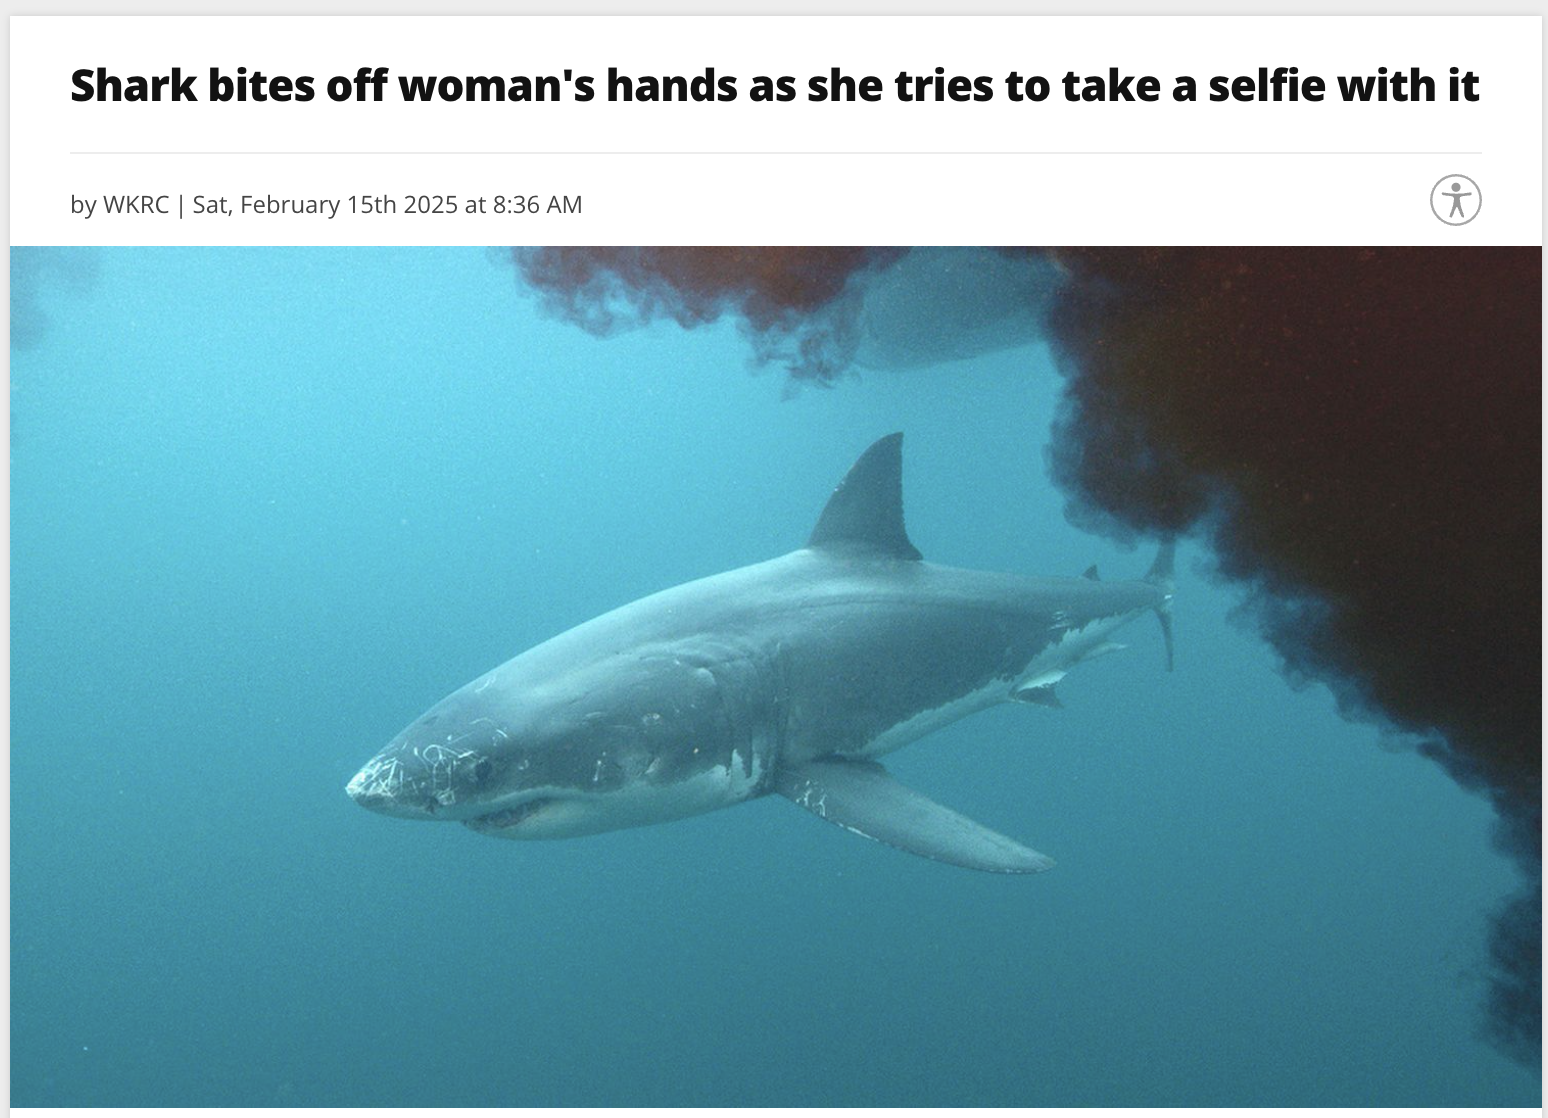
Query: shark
column 790, row 677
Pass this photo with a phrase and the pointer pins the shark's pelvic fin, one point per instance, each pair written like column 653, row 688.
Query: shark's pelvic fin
column 1160, row 574
column 861, row 797
column 865, row 513
column 1042, row 694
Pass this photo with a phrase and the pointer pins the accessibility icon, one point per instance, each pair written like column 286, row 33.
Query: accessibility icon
column 1456, row 199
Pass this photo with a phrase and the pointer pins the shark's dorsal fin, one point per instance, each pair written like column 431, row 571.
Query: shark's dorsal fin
column 865, row 513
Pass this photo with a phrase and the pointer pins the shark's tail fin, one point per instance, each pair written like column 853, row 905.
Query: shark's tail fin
column 1160, row 576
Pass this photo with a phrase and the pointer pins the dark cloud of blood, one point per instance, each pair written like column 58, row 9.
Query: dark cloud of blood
column 791, row 301
column 816, row 311
column 766, row 286
column 1358, row 432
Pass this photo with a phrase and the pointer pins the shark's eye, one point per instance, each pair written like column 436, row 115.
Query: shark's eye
column 482, row 770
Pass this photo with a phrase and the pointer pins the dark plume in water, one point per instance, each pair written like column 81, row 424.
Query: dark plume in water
column 1355, row 431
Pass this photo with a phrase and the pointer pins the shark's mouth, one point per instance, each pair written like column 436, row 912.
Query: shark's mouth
column 509, row 817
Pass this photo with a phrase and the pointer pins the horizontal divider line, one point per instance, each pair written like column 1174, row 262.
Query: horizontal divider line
column 781, row 154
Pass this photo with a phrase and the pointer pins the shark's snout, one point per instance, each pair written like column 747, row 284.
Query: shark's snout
column 382, row 786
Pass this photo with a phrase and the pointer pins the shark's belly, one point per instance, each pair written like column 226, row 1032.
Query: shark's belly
column 928, row 720
column 873, row 681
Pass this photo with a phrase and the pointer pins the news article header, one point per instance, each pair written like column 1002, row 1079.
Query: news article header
column 777, row 130
column 377, row 83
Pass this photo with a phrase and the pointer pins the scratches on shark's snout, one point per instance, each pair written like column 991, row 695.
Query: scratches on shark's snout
column 382, row 777
column 442, row 763
column 388, row 781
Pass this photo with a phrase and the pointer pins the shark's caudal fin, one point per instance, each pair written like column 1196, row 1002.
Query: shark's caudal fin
column 1160, row 575
column 865, row 514
column 861, row 797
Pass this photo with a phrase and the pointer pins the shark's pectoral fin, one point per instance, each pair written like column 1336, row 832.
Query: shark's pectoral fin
column 861, row 797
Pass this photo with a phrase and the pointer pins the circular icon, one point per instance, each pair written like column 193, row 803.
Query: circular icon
column 1456, row 199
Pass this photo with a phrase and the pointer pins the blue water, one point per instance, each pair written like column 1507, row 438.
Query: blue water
column 267, row 506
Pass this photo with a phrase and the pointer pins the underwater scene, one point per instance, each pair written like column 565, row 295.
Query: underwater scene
column 1169, row 658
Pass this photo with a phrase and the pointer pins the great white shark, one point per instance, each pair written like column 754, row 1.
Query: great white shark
column 790, row 676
